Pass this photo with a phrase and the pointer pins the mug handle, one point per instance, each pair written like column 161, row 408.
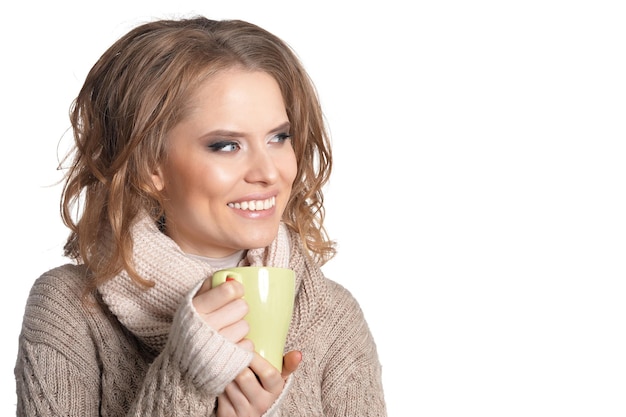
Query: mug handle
column 223, row 275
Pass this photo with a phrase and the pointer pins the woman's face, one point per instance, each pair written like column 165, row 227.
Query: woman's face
column 229, row 167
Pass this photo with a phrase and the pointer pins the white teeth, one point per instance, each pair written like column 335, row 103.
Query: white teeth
column 254, row 205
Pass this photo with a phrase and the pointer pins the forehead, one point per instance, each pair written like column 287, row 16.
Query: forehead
column 238, row 100
column 235, row 86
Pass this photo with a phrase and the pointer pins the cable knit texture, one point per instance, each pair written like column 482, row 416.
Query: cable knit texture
column 148, row 312
column 131, row 351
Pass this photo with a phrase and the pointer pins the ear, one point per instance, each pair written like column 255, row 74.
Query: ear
column 158, row 180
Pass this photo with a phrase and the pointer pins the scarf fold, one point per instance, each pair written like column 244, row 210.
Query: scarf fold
column 148, row 312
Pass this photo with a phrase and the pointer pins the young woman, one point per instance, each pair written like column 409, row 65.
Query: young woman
column 200, row 145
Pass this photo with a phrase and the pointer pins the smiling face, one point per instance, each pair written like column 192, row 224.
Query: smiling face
column 227, row 175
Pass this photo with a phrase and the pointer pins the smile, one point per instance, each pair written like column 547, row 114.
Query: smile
column 254, row 205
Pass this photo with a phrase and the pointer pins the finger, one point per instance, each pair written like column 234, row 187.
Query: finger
column 236, row 332
column 267, row 375
column 291, row 360
column 240, row 392
column 218, row 296
column 227, row 315
column 206, row 285
column 246, row 344
column 224, row 406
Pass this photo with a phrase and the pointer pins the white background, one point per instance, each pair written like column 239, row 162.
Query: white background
column 478, row 198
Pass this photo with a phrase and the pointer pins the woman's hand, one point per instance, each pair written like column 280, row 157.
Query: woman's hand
column 223, row 309
column 256, row 388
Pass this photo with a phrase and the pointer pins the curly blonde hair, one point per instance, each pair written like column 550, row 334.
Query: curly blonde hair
column 135, row 93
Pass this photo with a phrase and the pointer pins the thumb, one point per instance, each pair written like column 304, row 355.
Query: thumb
column 291, row 360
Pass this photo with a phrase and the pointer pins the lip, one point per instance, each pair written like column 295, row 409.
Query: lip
column 255, row 214
column 262, row 214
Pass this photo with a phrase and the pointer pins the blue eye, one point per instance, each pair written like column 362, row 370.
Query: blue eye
column 224, row 146
column 281, row 137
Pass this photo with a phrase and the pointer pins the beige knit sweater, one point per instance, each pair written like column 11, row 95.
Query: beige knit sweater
column 124, row 355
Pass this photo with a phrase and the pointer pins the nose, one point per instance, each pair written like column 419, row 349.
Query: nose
column 262, row 167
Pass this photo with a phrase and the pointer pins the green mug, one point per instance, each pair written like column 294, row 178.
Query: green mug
column 269, row 292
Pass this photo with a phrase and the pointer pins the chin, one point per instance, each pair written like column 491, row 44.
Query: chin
column 260, row 240
column 258, row 243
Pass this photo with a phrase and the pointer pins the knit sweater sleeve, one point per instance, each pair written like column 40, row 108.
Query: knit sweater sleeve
column 71, row 362
column 194, row 367
column 54, row 372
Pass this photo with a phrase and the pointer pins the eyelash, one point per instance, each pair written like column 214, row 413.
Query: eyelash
column 220, row 145
column 283, row 136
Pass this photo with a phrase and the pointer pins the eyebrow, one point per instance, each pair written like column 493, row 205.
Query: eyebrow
column 230, row 133
column 282, row 127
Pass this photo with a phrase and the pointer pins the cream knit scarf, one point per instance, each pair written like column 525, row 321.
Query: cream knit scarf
column 148, row 312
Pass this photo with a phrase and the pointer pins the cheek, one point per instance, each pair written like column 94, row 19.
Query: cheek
column 184, row 178
column 291, row 166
